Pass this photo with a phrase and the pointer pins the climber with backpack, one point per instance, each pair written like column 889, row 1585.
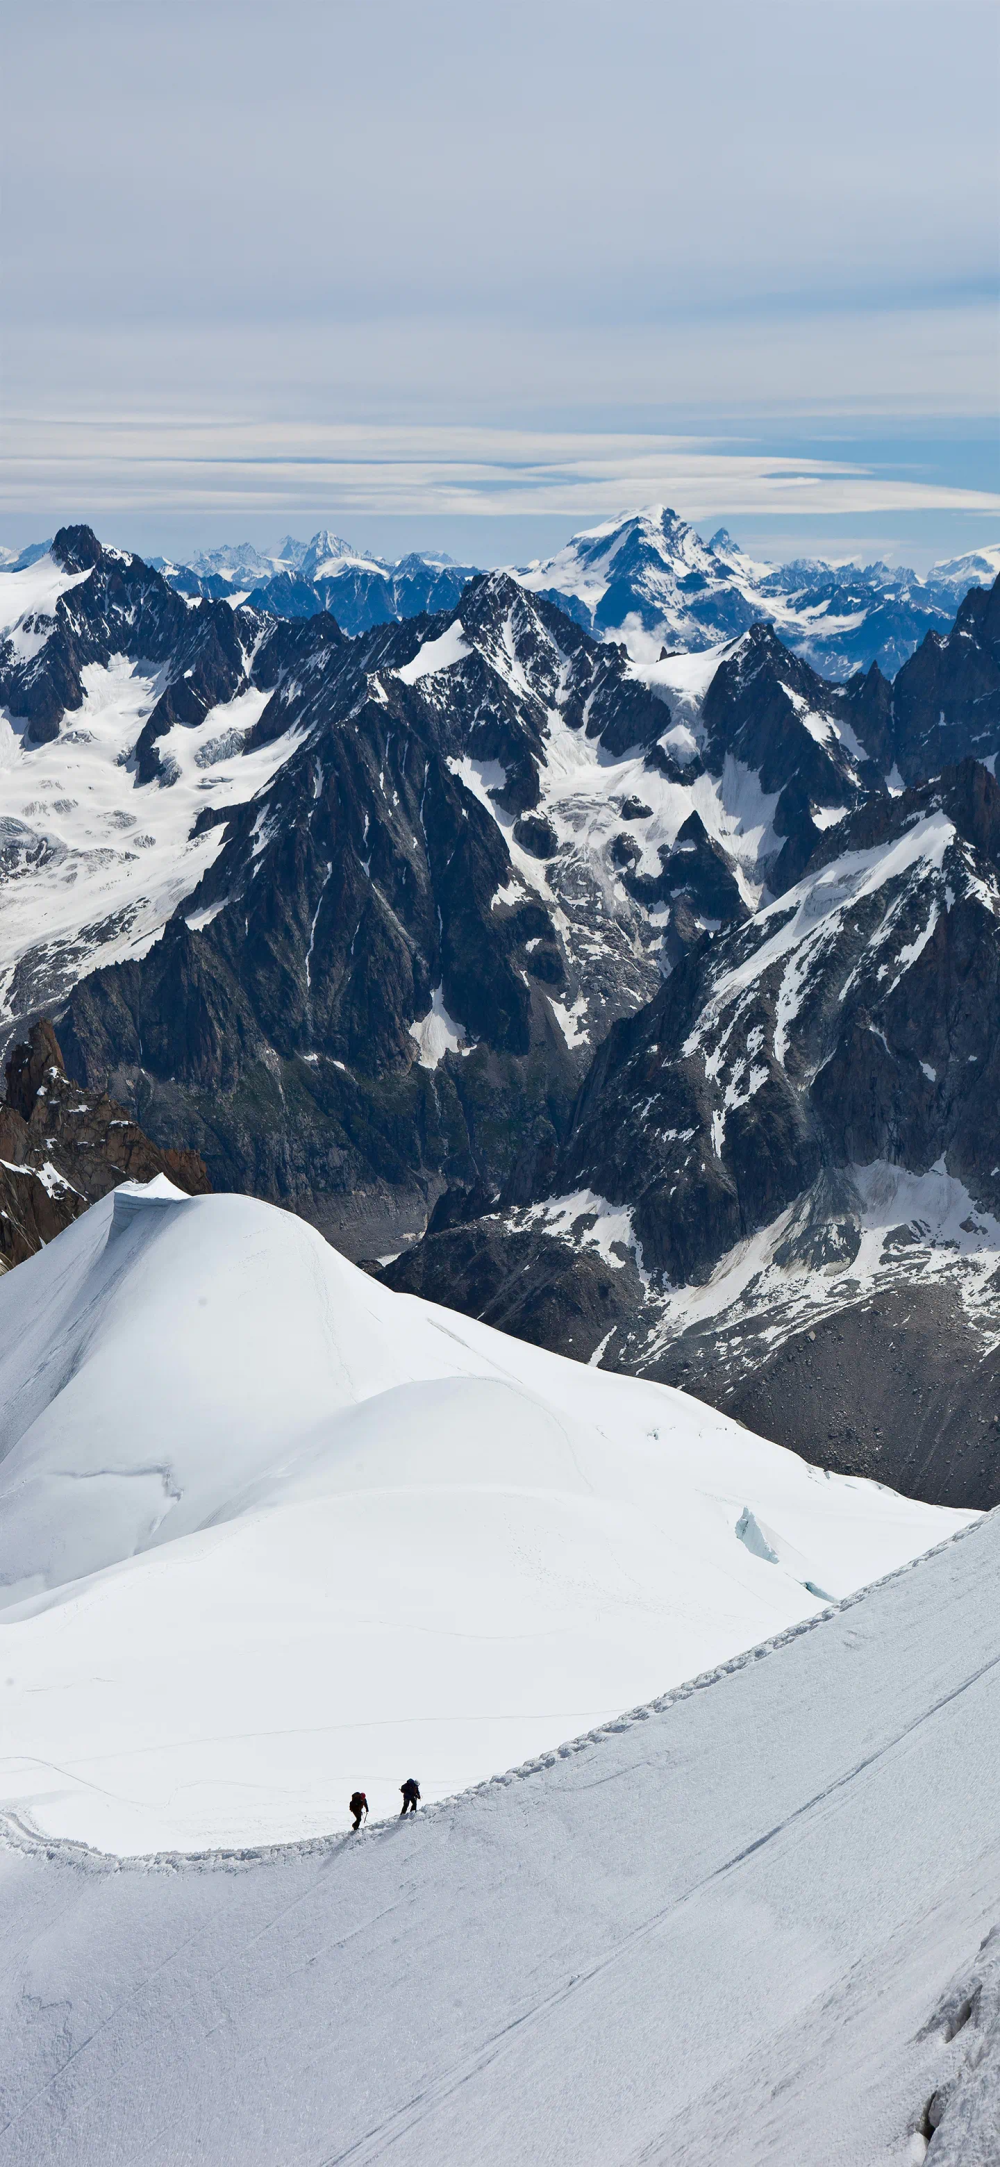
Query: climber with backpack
column 359, row 1807
column 411, row 1792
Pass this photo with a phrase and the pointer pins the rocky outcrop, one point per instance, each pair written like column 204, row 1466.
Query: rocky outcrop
column 62, row 1147
column 946, row 698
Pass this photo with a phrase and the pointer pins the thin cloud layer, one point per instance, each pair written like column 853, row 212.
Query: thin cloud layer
column 490, row 473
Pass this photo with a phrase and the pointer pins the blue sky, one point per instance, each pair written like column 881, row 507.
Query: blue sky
column 478, row 276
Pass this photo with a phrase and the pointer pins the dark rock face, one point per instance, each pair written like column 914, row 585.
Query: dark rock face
column 61, row 1148
column 851, row 1026
column 556, row 1294
column 362, row 596
column 897, row 1388
column 946, row 699
column 801, row 736
column 695, row 871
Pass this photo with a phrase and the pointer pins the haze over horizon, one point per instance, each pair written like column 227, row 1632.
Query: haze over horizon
column 741, row 265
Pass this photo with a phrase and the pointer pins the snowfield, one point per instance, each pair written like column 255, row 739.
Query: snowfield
column 272, row 1532
column 738, row 1928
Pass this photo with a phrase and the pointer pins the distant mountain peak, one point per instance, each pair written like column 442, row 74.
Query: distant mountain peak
column 646, row 578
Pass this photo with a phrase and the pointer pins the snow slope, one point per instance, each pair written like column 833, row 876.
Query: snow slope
column 736, row 1929
column 271, row 1531
column 95, row 862
column 29, row 592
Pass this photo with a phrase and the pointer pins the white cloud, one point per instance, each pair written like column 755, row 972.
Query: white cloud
column 281, row 467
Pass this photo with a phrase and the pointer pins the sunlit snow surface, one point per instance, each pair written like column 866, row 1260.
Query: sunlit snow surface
column 437, row 1033
column 750, row 1925
column 271, row 1532
column 91, row 855
column 441, row 654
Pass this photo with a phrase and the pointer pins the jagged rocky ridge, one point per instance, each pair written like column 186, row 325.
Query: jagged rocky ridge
column 62, row 1147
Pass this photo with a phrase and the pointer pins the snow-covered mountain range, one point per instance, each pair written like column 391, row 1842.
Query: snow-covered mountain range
column 302, row 579
column 476, row 914
column 647, row 579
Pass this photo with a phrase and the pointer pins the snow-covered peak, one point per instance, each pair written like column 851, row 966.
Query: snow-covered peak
column 648, row 578
column 327, row 554
column 237, row 562
column 978, row 568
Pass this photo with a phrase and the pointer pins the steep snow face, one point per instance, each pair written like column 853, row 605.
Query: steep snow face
column 793, row 938
column 441, row 653
column 752, row 1923
column 274, row 1531
column 28, row 598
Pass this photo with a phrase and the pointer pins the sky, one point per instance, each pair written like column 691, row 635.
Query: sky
column 478, row 276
